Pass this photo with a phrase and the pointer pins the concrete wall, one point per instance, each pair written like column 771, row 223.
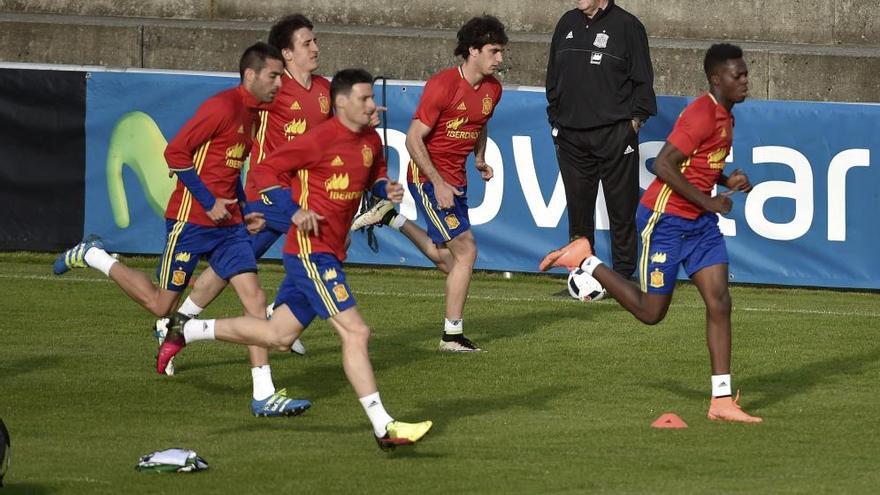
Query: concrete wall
column 785, row 21
column 145, row 34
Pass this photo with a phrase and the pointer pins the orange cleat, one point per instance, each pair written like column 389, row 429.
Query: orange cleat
column 569, row 256
column 727, row 409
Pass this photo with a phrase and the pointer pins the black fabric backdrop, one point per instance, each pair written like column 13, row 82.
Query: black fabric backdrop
column 42, row 159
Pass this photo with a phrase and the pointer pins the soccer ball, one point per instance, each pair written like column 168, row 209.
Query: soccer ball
column 583, row 287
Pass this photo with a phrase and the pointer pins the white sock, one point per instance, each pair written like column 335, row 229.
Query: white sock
column 453, row 327
column 189, row 308
column 196, row 330
column 263, row 386
column 376, row 412
column 397, row 222
column 98, row 259
column 721, row 385
column 590, row 264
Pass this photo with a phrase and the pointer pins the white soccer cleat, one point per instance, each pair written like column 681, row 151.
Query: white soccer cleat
column 380, row 213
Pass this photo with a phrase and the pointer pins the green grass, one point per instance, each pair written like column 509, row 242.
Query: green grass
column 560, row 403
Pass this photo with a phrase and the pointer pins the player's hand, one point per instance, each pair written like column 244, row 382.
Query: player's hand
column 375, row 117
column 486, row 171
column 444, row 194
column 637, row 124
column 394, row 191
column 738, row 181
column 306, row 221
column 219, row 213
column 255, row 222
column 719, row 204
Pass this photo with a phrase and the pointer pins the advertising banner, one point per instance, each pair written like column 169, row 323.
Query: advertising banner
column 811, row 219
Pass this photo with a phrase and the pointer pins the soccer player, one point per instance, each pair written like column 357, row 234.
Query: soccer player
column 679, row 226
column 449, row 124
column 301, row 104
column 332, row 166
column 206, row 215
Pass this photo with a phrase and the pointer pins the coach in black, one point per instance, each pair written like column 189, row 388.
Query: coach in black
column 599, row 93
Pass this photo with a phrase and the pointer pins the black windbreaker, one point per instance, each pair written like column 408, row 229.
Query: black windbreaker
column 599, row 70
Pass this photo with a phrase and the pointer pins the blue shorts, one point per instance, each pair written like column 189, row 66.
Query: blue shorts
column 314, row 287
column 277, row 225
column 443, row 225
column 669, row 241
column 228, row 250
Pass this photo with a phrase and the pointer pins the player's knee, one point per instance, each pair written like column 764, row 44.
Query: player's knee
column 652, row 316
column 356, row 334
column 720, row 305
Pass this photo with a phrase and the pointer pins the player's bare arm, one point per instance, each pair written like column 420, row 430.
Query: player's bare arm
column 480, row 164
column 415, row 144
column 737, row 181
column 668, row 168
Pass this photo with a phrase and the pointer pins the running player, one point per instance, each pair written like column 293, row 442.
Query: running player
column 332, row 166
column 301, row 104
column 679, row 223
column 206, row 214
column 449, row 124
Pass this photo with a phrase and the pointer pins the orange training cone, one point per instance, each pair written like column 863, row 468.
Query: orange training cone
column 669, row 420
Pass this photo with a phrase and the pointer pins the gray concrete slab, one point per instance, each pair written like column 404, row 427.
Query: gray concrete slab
column 181, row 9
column 82, row 44
column 857, row 22
column 797, row 76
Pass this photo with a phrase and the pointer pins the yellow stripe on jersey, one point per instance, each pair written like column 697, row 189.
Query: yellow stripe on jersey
column 168, row 256
column 432, row 215
column 666, row 191
column 646, row 249
column 302, row 238
column 261, row 136
column 186, row 201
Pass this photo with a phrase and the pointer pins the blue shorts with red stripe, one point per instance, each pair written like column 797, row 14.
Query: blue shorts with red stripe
column 314, row 286
column 228, row 250
column 277, row 225
column 443, row 225
column 669, row 241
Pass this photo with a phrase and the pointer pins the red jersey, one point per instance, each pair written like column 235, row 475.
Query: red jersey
column 216, row 142
column 294, row 111
column 456, row 113
column 333, row 166
column 703, row 133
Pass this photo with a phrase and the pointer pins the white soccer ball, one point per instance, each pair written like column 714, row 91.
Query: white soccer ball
column 583, row 287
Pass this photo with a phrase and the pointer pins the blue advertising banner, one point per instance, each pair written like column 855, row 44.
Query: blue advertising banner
column 810, row 220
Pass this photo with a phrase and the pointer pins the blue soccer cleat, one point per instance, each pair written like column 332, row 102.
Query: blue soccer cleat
column 279, row 404
column 75, row 256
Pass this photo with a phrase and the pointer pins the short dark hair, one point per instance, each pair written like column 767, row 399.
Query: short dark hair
column 478, row 32
column 282, row 31
column 345, row 79
column 719, row 53
column 255, row 57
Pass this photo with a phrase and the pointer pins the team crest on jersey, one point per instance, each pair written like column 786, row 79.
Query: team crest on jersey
column 658, row 258
column 183, row 257
column 329, row 274
column 601, row 40
column 716, row 159
column 178, row 277
column 452, row 221
column 337, row 162
column 295, row 105
column 324, row 104
column 657, row 279
column 462, row 107
column 487, row 105
column 295, row 128
column 340, row 292
column 367, row 153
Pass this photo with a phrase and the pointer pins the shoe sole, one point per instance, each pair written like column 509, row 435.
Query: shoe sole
column 291, row 412
column 750, row 419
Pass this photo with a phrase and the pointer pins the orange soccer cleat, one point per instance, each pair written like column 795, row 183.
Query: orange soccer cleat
column 727, row 409
column 569, row 256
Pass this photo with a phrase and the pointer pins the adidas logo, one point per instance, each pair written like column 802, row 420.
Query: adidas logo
column 570, row 35
column 629, row 149
column 337, row 162
column 373, row 404
column 241, row 129
column 295, row 106
column 461, row 106
column 722, row 384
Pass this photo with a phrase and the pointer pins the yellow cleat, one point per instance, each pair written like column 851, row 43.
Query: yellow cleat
column 400, row 433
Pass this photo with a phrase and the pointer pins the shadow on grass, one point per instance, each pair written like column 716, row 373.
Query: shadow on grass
column 12, row 488
column 23, row 366
column 782, row 385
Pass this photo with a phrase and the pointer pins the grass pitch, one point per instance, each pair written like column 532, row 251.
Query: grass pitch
column 561, row 402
